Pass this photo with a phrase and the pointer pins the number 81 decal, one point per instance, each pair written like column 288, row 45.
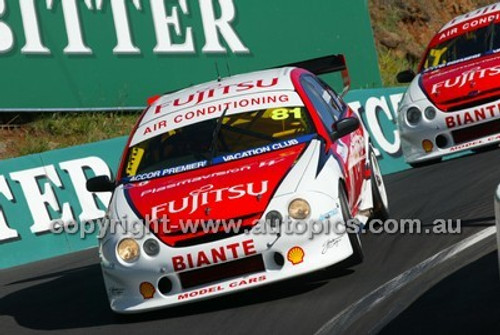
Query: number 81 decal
column 284, row 113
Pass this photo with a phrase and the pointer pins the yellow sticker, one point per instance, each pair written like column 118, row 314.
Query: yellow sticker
column 437, row 54
column 284, row 113
column 134, row 160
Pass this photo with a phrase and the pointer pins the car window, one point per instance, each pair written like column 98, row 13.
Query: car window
column 238, row 132
column 336, row 103
column 479, row 41
column 322, row 101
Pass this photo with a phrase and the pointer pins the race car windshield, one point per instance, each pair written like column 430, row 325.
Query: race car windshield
column 472, row 43
column 238, row 132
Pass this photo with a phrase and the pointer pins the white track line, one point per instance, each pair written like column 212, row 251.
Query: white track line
column 368, row 302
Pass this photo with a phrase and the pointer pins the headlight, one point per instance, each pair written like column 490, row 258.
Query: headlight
column 430, row 113
column 128, row 250
column 299, row 209
column 274, row 219
column 413, row 116
column 151, row 247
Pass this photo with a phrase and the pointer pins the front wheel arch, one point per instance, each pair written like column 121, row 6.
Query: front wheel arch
column 357, row 254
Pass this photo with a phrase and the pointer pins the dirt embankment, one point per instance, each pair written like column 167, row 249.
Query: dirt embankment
column 403, row 28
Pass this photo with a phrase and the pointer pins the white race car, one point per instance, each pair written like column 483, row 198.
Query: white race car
column 453, row 104
column 221, row 183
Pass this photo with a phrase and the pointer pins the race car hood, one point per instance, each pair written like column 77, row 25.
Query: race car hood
column 174, row 207
column 463, row 85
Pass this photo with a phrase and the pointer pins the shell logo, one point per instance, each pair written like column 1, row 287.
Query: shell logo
column 147, row 290
column 295, row 255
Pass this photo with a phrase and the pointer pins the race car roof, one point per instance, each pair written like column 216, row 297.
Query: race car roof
column 237, row 94
column 475, row 14
column 462, row 24
column 217, row 90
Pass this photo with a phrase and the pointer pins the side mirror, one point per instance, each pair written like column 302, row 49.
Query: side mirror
column 345, row 126
column 405, row 76
column 100, row 184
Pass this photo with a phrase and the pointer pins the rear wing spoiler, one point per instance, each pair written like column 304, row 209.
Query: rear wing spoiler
column 324, row 65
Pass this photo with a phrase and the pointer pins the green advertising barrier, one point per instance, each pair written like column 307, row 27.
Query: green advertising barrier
column 378, row 108
column 35, row 190
column 94, row 54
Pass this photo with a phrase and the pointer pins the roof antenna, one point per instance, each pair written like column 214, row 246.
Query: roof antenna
column 217, row 71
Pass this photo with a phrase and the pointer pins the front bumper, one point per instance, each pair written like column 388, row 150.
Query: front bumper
column 448, row 140
column 123, row 281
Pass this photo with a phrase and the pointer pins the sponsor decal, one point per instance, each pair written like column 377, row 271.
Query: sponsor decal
column 213, row 256
column 473, row 116
column 116, row 291
column 457, row 61
column 466, row 78
column 295, row 255
column 357, row 150
column 329, row 214
column 218, row 288
column 166, row 172
column 147, row 290
column 155, row 127
column 241, row 104
column 468, row 26
column 470, row 21
column 221, row 91
column 342, row 150
column 171, row 118
column 264, row 149
column 216, row 174
column 208, row 194
column 330, row 243
column 188, row 181
column 469, row 145
column 171, row 36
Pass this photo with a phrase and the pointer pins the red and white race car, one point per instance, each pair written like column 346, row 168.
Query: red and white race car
column 453, row 104
column 271, row 155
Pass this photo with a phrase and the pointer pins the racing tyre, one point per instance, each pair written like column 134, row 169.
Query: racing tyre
column 357, row 255
column 426, row 163
column 380, row 200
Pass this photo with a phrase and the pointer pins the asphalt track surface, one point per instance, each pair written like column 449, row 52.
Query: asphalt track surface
column 67, row 293
column 467, row 302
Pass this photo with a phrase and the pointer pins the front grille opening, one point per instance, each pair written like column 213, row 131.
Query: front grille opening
column 233, row 269
column 165, row 285
column 210, row 237
column 279, row 259
column 441, row 141
column 473, row 133
column 211, row 230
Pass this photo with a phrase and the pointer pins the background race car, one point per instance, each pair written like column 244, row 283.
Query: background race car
column 237, row 183
column 453, row 104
